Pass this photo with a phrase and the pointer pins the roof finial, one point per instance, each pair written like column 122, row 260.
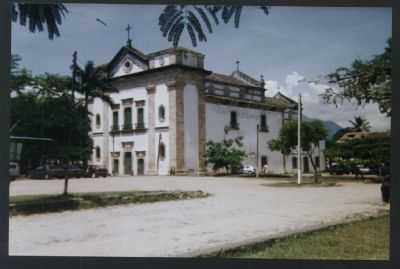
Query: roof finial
column 237, row 65
column 129, row 42
column 262, row 81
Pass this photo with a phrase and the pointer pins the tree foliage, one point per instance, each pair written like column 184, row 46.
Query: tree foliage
column 370, row 151
column 224, row 154
column 39, row 16
column 312, row 132
column 175, row 19
column 366, row 81
column 20, row 77
column 360, row 124
column 93, row 83
column 52, row 117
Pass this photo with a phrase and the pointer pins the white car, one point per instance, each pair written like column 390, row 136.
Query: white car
column 248, row 170
column 13, row 170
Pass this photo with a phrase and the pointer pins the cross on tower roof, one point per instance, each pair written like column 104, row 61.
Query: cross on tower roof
column 128, row 29
column 237, row 65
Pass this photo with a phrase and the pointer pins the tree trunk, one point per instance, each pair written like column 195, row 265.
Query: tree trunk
column 66, row 185
column 316, row 178
column 284, row 163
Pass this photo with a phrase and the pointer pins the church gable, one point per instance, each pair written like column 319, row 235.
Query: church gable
column 127, row 61
column 128, row 65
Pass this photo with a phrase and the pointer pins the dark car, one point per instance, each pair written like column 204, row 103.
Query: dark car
column 339, row 170
column 46, row 172
column 95, row 171
column 73, row 171
column 385, row 189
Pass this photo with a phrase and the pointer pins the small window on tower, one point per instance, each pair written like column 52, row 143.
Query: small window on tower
column 233, row 123
column 98, row 120
column 161, row 113
column 162, row 151
column 98, row 153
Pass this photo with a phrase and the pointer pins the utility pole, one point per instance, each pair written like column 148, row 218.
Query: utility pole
column 257, row 157
column 74, row 65
column 299, row 141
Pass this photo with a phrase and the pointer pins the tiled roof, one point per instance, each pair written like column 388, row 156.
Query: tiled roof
column 268, row 103
column 246, row 78
column 171, row 50
column 216, row 77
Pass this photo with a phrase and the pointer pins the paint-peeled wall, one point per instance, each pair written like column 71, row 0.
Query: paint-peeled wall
column 218, row 117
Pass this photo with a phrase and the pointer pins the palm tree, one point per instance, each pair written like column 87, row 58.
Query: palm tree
column 93, row 83
column 360, row 124
column 173, row 20
column 40, row 15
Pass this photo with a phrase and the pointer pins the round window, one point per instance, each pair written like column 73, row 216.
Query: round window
column 128, row 66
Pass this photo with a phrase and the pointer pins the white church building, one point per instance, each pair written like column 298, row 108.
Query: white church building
column 167, row 108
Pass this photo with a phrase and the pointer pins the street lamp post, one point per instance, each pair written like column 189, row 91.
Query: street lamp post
column 257, row 153
column 299, row 175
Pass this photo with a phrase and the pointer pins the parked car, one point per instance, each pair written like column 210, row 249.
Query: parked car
column 46, row 172
column 95, row 171
column 13, row 170
column 385, row 189
column 49, row 172
column 248, row 170
column 74, row 171
column 339, row 170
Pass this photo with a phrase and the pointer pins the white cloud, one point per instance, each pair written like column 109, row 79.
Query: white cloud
column 293, row 80
column 314, row 106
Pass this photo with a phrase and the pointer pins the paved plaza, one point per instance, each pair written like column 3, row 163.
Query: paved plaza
column 240, row 210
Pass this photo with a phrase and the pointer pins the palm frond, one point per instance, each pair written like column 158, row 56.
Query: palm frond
column 192, row 35
column 37, row 16
column 196, row 26
column 205, row 18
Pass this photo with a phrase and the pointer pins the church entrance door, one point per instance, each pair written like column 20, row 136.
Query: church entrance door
column 128, row 163
column 140, row 167
column 115, row 170
column 306, row 167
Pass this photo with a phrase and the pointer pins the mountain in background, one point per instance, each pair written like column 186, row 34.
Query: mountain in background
column 331, row 126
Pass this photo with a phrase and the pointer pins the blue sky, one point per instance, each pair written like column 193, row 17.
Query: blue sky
column 289, row 44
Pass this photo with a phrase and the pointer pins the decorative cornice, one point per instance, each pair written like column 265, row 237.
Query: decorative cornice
column 151, row 88
column 174, row 84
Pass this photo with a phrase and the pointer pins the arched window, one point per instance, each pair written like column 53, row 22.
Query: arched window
column 98, row 153
column 161, row 113
column 162, row 151
column 98, row 120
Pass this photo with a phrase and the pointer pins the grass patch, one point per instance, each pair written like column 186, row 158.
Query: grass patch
column 360, row 240
column 32, row 204
column 303, row 184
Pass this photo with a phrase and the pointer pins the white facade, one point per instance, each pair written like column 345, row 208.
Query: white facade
column 168, row 106
column 218, row 116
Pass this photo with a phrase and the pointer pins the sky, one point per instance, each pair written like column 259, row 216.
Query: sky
column 290, row 46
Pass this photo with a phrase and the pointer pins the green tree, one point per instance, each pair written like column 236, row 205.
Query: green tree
column 52, row 117
column 93, row 83
column 283, row 147
column 364, row 82
column 38, row 16
column 175, row 19
column 312, row 132
column 20, row 77
column 224, row 154
column 360, row 124
column 371, row 151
